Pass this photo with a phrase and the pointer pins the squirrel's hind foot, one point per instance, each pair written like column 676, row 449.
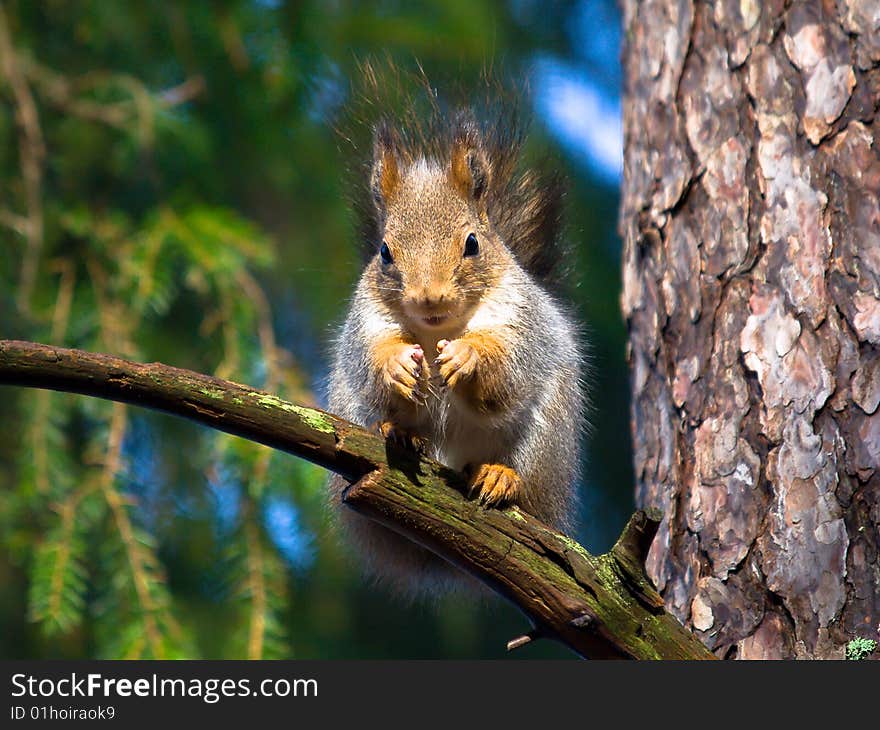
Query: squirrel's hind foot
column 402, row 436
column 497, row 485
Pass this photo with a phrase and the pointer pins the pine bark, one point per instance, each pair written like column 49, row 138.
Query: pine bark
column 752, row 293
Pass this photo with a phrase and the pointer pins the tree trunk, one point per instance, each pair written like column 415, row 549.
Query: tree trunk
column 752, row 291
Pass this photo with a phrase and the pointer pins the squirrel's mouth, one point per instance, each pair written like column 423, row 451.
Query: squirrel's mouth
column 435, row 320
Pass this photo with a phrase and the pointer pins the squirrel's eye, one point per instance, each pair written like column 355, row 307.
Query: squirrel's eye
column 385, row 253
column 471, row 247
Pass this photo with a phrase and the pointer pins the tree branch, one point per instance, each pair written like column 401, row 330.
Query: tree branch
column 601, row 606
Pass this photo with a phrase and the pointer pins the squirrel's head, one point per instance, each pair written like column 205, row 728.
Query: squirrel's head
column 438, row 253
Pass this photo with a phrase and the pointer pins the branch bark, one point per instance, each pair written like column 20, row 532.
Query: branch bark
column 600, row 606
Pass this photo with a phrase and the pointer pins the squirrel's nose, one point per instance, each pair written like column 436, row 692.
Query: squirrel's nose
column 429, row 296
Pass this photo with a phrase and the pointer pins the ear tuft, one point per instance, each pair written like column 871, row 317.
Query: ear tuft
column 469, row 166
column 385, row 177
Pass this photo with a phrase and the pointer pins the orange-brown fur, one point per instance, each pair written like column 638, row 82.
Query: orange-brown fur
column 472, row 373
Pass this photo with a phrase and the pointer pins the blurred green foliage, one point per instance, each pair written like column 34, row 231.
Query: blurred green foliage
column 173, row 188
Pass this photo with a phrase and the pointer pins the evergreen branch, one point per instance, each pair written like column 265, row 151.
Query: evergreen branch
column 64, row 299
column 255, row 470
column 255, row 581
column 57, row 591
column 39, row 425
column 61, row 562
column 31, row 153
column 15, row 222
column 61, row 566
column 265, row 330
column 186, row 91
column 42, row 413
column 126, row 532
column 601, row 606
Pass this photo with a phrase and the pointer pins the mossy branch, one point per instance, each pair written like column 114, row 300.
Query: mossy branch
column 601, row 606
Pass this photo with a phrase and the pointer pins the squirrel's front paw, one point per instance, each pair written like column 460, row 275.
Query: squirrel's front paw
column 496, row 484
column 457, row 361
column 402, row 372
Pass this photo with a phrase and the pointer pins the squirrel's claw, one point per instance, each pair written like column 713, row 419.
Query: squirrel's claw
column 495, row 484
column 406, row 389
column 457, row 360
column 401, row 436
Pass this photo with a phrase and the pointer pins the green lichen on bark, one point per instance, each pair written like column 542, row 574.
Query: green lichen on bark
column 215, row 393
column 311, row 417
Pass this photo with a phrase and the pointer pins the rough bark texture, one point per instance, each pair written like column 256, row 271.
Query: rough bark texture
column 600, row 606
column 752, row 292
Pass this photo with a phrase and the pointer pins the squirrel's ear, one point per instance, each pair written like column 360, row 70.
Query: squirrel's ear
column 469, row 166
column 385, row 178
